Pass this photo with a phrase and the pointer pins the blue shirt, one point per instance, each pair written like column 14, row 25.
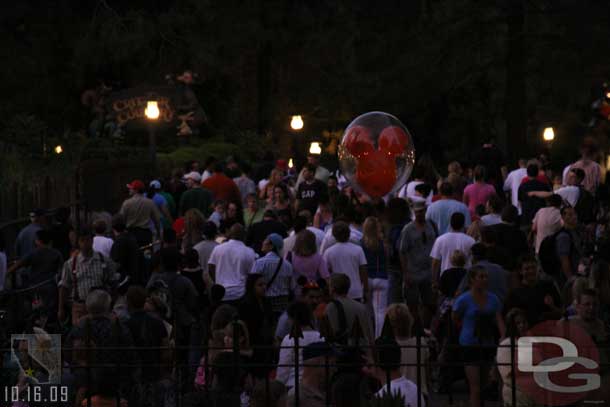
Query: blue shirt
column 470, row 313
column 440, row 213
column 266, row 266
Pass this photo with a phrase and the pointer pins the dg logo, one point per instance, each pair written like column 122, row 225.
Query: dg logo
column 557, row 364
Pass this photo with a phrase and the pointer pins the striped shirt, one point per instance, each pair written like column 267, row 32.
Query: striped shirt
column 90, row 272
column 266, row 266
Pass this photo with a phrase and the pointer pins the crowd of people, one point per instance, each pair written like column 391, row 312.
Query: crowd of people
column 224, row 287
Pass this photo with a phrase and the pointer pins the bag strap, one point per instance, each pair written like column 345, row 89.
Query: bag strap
column 341, row 316
column 74, row 278
column 277, row 271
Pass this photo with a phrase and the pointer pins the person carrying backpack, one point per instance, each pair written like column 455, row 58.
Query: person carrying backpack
column 560, row 252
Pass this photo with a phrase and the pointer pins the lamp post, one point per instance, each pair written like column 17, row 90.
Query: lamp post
column 315, row 148
column 548, row 134
column 296, row 122
column 152, row 114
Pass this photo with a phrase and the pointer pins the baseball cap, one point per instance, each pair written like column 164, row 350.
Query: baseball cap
column 276, row 240
column 193, row 175
column 281, row 164
column 417, row 205
column 156, row 184
column 317, row 350
column 38, row 212
column 136, row 184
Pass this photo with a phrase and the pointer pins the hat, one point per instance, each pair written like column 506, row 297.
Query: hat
column 281, row 164
column 417, row 204
column 193, row 175
column 155, row 184
column 38, row 212
column 276, row 240
column 317, row 350
column 136, row 185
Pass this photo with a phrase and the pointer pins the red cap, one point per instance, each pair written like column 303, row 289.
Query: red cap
column 137, row 185
column 281, row 164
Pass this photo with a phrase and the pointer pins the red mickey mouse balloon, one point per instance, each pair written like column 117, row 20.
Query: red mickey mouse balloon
column 376, row 154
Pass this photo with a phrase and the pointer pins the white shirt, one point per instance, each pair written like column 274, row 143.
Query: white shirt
column 289, row 244
column 512, row 184
column 570, row 194
column 205, row 175
column 103, row 245
column 233, row 261
column 346, row 258
column 204, row 249
column 290, row 240
column 355, row 236
column 285, row 370
column 408, row 191
column 491, row 219
column 404, row 386
column 446, row 244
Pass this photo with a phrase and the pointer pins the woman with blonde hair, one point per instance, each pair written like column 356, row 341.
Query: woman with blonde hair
column 401, row 321
column 376, row 259
column 193, row 229
column 266, row 193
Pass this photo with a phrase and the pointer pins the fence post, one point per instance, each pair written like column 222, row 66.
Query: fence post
column 419, row 378
column 206, row 360
column 513, row 379
column 236, row 334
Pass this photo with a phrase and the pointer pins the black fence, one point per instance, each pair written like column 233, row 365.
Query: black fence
column 224, row 379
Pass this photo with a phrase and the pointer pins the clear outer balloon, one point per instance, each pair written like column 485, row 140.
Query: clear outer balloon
column 376, row 154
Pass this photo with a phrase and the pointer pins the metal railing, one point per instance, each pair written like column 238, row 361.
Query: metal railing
column 181, row 381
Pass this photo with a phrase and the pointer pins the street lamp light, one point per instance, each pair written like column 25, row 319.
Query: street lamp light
column 296, row 123
column 290, row 164
column 152, row 110
column 58, row 149
column 548, row 134
column 314, row 148
column 152, row 113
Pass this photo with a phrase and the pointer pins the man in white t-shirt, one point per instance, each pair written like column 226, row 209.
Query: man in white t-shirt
column 446, row 244
column 348, row 258
column 101, row 243
column 513, row 182
column 230, row 263
column 389, row 354
column 355, row 236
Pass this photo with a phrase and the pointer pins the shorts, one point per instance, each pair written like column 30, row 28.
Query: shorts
column 474, row 355
column 420, row 292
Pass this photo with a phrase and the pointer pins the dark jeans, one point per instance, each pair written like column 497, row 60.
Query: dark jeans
column 143, row 236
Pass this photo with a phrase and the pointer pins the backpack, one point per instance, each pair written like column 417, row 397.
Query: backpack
column 549, row 260
column 585, row 207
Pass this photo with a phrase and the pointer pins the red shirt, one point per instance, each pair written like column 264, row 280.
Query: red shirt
column 222, row 187
column 540, row 178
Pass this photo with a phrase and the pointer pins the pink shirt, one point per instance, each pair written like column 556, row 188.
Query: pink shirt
column 312, row 267
column 477, row 194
